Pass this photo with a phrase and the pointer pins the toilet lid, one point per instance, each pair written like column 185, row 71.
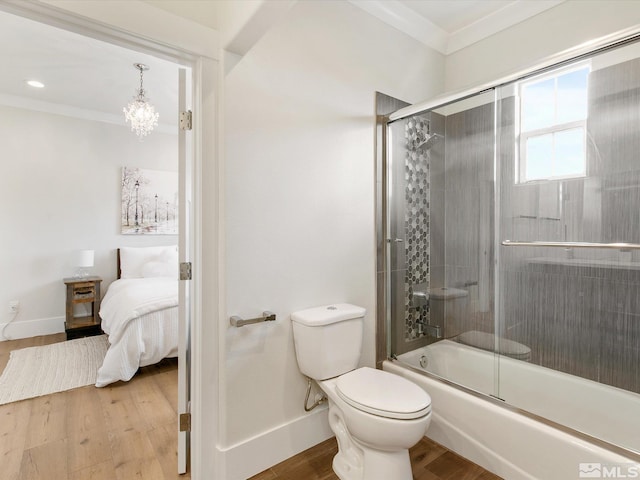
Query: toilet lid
column 383, row 394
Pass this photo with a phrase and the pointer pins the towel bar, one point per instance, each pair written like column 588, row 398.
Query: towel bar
column 237, row 321
column 616, row 246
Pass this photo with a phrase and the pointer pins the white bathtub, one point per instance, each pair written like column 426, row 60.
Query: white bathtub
column 513, row 445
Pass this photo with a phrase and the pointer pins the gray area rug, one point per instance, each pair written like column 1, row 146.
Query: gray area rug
column 36, row 371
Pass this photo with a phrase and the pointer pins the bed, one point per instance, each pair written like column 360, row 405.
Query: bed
column 140, row 312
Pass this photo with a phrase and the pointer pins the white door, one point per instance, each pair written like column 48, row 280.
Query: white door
column 185, row 154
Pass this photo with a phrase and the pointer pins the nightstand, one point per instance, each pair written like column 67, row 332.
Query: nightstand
column 79, row 291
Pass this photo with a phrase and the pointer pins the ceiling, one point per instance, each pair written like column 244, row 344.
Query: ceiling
column 83, row 77
column 92, row 79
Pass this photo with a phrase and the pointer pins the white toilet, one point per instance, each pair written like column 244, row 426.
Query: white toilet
column 376, row 416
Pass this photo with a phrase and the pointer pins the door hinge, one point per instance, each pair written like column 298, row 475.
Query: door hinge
column 186, row 120
column 185, row 271
column 185, row 422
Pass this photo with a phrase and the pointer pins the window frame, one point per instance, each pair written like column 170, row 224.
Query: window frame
column 524, row 136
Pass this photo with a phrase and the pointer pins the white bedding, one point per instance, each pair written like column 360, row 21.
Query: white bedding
column 140, row 316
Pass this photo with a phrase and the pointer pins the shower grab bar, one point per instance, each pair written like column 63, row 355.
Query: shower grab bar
column 237, row 321
column 615, row 246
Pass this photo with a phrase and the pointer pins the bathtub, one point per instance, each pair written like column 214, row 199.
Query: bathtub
column 512, row 443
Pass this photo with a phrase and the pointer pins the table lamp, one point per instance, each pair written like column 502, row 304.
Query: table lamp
column 84, row 263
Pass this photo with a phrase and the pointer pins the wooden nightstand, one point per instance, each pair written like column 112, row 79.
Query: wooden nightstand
column 83, row 290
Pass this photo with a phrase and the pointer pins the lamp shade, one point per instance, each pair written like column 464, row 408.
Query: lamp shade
column 85, row 258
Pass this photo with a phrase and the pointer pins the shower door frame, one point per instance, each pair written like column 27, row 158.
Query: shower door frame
column 384, row 120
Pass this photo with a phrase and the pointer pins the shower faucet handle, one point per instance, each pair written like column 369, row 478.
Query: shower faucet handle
column 419, row 299
column 433, row 331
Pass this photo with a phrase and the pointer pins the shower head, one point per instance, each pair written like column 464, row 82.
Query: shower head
column 429, row 141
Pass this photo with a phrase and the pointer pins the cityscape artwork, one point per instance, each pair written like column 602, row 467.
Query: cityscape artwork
column 149, row 202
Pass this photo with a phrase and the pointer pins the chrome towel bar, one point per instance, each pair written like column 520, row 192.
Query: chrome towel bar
column 237, row 321
column 616, row 246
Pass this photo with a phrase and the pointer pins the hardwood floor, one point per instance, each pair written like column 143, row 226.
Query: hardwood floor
column 125, row 431
column 429, row 461
column 128, row 431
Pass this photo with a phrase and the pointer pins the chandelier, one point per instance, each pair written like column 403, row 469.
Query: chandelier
column 140, row 112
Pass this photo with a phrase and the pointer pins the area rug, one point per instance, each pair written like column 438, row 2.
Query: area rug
column 36, row 371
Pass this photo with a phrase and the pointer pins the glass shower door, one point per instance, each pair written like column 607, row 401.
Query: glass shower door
column 569, row 188
column 442, row 259
column 467, row 294
column 408, row 239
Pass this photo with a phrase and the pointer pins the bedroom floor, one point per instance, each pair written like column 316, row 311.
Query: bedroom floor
column 123, row 431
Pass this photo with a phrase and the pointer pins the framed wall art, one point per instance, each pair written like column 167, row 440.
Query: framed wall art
column 149, row 202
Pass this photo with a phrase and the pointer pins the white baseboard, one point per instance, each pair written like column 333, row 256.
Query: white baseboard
column 257, row 454
column 32, row 328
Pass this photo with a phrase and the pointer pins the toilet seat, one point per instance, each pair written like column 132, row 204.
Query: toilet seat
column 383, row 394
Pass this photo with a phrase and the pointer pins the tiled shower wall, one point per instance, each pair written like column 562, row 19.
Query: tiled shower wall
column 468, row 218
column 412, row 255
column 416, row 226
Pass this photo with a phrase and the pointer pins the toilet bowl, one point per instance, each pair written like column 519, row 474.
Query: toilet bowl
column 376, row 416
column 375, row 432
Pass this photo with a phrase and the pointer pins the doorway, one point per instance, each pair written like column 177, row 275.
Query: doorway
column 88, row 103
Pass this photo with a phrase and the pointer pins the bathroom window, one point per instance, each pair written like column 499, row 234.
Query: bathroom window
column 553, row 116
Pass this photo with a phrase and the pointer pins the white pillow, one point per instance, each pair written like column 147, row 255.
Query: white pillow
column 159, row 269
column 133, row 260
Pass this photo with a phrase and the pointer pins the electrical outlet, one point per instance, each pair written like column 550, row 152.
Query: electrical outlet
column 14, row 306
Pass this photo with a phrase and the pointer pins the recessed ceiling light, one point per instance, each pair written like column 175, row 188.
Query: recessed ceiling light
column 35, row 84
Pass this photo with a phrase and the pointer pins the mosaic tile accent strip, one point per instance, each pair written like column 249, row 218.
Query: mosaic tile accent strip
column 416, row 225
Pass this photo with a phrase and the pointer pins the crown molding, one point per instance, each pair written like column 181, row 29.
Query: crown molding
column 403, row 18
column 508, row 16
column 74, row 112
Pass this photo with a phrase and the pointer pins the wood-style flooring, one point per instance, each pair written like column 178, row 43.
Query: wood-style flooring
column 128, row 431
column 125, row 431
column 429, row 461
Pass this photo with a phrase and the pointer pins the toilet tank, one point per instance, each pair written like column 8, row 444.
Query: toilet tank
column 328, row 339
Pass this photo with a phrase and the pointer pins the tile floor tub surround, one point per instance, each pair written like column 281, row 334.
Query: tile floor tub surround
column 429, row 461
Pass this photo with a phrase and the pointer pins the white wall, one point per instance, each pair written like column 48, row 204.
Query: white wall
column 60, row 183
column 567, row 25
column 300, row 121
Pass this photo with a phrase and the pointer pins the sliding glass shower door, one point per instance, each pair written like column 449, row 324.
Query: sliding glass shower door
column 441, row 235
column 513, row 242
column 569, row 194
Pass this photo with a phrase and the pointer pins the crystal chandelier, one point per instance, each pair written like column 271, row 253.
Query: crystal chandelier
column 140, row 112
